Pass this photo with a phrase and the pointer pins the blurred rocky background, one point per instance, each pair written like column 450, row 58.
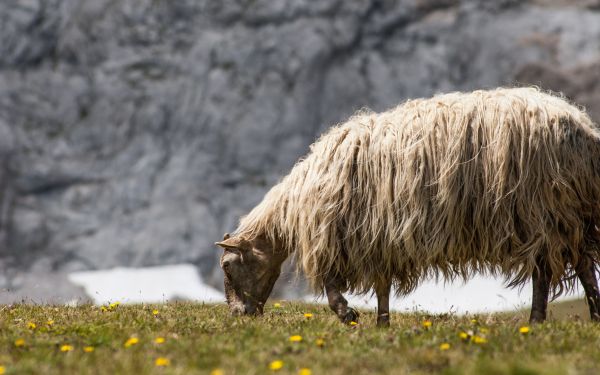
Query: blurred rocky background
column 135, row 132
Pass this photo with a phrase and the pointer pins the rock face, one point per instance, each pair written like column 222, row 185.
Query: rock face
column 136, row 132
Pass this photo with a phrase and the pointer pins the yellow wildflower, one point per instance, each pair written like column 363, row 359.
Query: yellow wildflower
column 31, row 325
column 479, row 340
column 427, row 323
column 50, row 322
column 19, row 342
column 464, row 335
column 110, row 307
column 444, row 346
column 88, row 349
column 162, row 361
column 131, row 341
column 320, row 342
column 304, row 371
column 308, row 315
column 474, row 321
column 159, row 340
column 296, row 338
column 217, row 371
column 154, row 312
column 353, row 323
column 524, row 330
column 276, row 365
column 277, row 305
column 66, row 348
column 484, row 330
column 2, row 370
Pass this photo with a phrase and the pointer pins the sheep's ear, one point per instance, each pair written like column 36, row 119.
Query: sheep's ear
column 229, row 242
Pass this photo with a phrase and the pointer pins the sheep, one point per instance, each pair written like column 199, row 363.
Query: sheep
column 500, row 182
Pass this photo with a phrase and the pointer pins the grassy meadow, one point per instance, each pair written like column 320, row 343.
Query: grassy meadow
column 291, row 338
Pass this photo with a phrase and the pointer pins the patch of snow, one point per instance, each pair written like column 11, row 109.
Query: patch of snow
column 139, row 285
column 481, row 294
column 160, row 284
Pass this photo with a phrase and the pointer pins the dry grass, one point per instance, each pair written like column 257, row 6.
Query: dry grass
column 199, row 339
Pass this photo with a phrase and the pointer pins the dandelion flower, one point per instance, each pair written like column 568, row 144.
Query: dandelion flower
column 19, row 342
column 524, row 330
column 217, row 371
column 154, row 312
column 31, row 325
column 131, row 341
column 162, row 362
column 50, row 322
column 66, row 348
column 320, row 342
column 2, row 370
column 88, row 349
column 304, row 371
column 296, row 338
column 276, row 365
column 277, row 305
column 159, row 340
column 308, row 315
column 479, row 340
column 465, row 335
column 110, row 307
column 353, row 323
column 427, row 323
column 444, row 346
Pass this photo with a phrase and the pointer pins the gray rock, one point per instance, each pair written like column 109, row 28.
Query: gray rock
column 43, row 288
column 135, row 133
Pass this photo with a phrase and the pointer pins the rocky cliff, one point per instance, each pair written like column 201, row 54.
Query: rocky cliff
column 136, row 132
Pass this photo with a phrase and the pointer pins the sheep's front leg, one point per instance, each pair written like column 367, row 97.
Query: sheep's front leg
column 338, row 303
column 541, row 289
column 587, row 276
column 382, row 290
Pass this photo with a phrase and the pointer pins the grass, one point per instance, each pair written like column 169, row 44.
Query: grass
column 204, row 339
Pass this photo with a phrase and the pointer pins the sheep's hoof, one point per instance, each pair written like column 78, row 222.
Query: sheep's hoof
column 383, row 321
column 351, row 316
column 537, row 318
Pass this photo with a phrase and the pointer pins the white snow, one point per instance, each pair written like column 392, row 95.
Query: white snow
column 137, row 285
column 160, row 284
column 479, row 295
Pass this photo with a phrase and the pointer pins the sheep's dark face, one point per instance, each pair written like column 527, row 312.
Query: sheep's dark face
column 251, row 269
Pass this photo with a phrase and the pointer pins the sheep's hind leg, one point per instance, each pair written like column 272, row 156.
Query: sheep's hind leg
column 541, row 289
column 587, row 276
column 383, row 303
column 338, row 303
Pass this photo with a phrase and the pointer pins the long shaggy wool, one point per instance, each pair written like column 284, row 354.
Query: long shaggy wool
column 488, row 181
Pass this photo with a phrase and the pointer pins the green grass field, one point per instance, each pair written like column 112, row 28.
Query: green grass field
column 186, row 338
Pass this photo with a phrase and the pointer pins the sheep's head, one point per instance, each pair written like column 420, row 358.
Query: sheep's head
column 251, row 267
